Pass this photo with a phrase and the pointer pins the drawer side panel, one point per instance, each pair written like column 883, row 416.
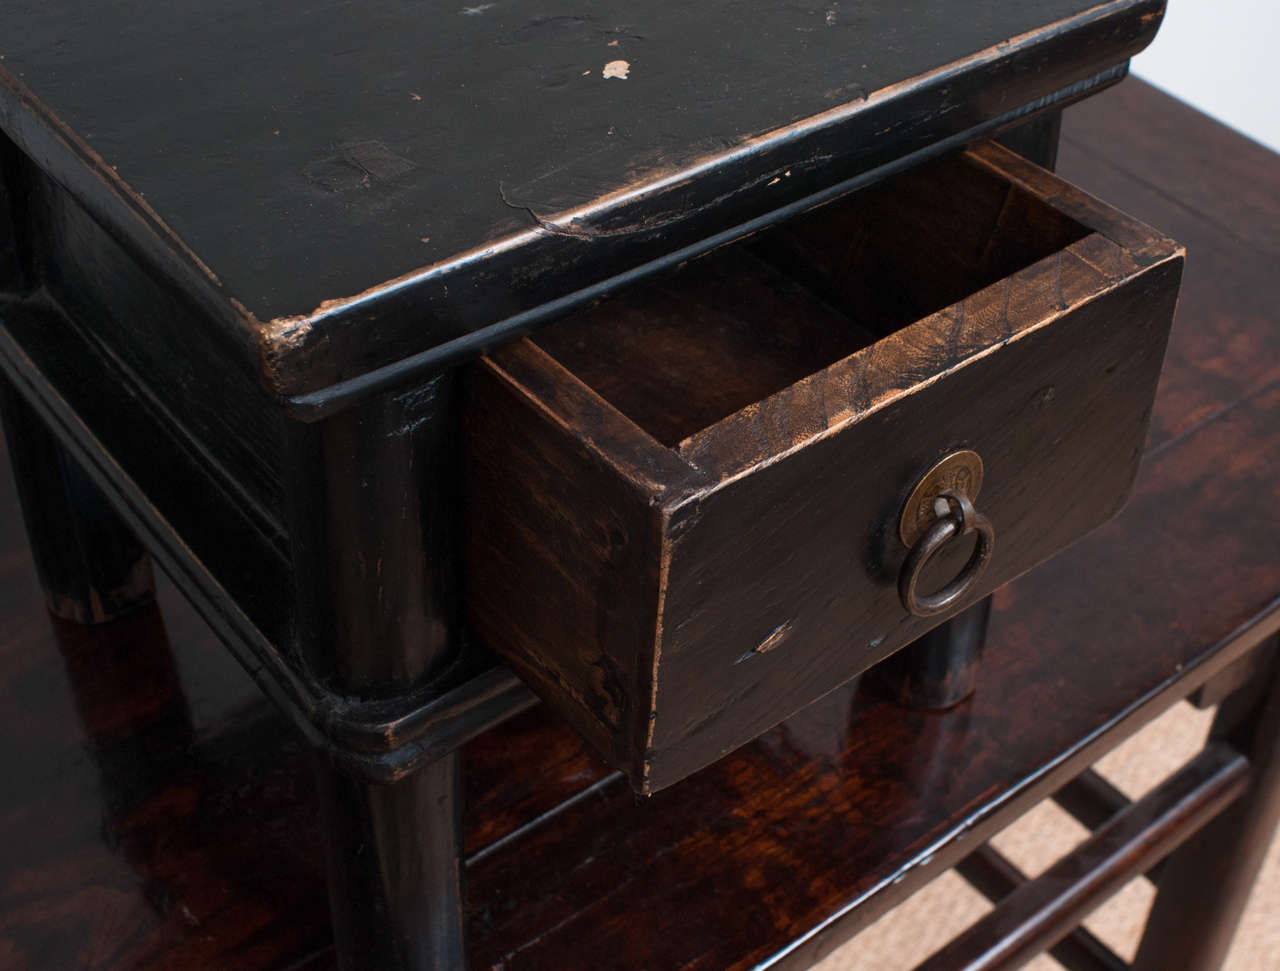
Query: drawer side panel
column 562, row 563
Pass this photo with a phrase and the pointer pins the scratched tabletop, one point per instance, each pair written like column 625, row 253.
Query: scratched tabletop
column 426, row 169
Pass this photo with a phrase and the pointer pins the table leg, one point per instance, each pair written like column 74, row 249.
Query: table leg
column 395, row 868
column 1205, row 884
column 372, row 522
column 939, row 669
column 1037, row 139
column 92, row 567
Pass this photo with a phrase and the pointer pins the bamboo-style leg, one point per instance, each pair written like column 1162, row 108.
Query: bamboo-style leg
column 395, row 868
column 372, row 523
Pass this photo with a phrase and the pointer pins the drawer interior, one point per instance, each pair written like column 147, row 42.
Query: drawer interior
column 688, row 348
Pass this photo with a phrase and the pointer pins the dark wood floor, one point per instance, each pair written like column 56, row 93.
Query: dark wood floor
column 155, row 812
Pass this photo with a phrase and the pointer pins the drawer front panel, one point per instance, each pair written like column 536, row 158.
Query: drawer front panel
column 782, row 585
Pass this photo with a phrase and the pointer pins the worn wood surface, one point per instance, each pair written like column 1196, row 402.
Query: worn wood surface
column 931, row 238
column 144, row 231
column 596, row 582
column 674, row 597
column 183, row 373
column 156, row 813
column 941, row 668
column 680, row 353
column 340, row 185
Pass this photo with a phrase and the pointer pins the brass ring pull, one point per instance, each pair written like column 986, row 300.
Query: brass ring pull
column 959, row 519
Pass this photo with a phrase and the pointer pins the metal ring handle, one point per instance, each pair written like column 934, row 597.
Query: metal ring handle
column 960, row 520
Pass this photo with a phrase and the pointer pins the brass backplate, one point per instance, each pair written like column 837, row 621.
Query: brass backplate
column 960, row 470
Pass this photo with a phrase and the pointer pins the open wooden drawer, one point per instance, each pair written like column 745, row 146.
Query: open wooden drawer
column 685, row 501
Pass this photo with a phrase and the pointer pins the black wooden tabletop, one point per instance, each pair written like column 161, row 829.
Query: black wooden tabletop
column 429, row 169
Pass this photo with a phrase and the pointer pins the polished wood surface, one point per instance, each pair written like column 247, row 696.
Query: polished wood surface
column 323, row 184
column 156, row 813
column 685, row 539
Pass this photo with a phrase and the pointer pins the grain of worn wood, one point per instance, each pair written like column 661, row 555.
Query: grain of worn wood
column 690, row 349
column 674, row 599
